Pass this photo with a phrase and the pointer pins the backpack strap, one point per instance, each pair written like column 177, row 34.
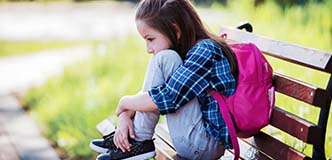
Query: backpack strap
column 229, row 122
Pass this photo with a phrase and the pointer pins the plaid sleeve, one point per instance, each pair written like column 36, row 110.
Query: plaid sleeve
column 187, row 82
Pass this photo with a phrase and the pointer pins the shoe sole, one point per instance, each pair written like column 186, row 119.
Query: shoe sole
column 142, row 156
column 97, row 148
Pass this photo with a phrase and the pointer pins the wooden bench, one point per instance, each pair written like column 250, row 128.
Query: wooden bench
column 264, row 145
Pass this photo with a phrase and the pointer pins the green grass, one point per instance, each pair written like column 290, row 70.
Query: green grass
column 10, row 48
column 309, row 26
column 68, row 107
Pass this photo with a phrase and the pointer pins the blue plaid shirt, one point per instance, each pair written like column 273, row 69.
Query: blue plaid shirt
column 205, row 67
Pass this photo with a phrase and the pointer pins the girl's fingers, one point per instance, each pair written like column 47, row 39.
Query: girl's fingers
column 131, row 132
column 121, row 137
column 121, row 145
column 126, row 144
column 117, row 141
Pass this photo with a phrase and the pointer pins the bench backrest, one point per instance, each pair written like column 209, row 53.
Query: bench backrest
column 292, row 124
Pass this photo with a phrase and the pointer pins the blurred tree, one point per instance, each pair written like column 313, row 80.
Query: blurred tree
column 135, row 1
column 81, row 0
column 289, row 3
column 258, row 2
column 208, row 2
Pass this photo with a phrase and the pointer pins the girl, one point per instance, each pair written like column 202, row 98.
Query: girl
column 178, row 80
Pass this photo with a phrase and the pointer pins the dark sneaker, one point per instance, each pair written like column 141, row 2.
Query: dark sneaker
column 138, row 151
column 103, row 145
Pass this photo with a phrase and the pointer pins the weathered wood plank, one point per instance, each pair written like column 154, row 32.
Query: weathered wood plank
column 163, row 132
column 276, row 149
column 166, row 149
column 106, row 126
column 309, row 57
column 295, row 126
column 300, row 90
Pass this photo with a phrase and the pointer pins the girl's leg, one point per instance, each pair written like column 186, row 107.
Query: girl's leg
column 189, row 136
column 186, row 126
column 160, row 67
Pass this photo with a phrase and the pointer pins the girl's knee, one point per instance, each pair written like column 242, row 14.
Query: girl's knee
column 168, row 56
column 168, row 61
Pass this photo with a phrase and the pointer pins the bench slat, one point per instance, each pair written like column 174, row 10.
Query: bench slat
column 247, row 151
column 300, row 90
column 163, row 150
column 166, row 150
column 276, row 149
column 295, row 126
column 309, row 57
column 162, row 133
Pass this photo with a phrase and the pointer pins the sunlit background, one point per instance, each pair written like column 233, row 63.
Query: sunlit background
column 69, row 61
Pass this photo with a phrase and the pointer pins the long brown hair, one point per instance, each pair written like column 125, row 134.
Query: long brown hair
column 170, row 16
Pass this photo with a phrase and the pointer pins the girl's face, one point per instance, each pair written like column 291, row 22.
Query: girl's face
column 155, row 41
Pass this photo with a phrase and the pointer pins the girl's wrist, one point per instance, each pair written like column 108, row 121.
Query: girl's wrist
column 124, row 115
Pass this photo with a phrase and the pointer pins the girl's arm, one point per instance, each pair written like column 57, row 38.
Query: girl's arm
column 139, row 102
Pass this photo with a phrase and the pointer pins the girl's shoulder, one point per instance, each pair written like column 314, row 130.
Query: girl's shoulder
column 208, row 43
column 205, row 42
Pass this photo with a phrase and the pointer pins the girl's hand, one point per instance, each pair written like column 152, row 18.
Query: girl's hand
column 124, row 128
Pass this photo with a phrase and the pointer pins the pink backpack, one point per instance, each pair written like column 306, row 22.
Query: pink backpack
column 251, row 105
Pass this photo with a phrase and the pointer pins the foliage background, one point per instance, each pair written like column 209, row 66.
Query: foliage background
column 69, row 106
